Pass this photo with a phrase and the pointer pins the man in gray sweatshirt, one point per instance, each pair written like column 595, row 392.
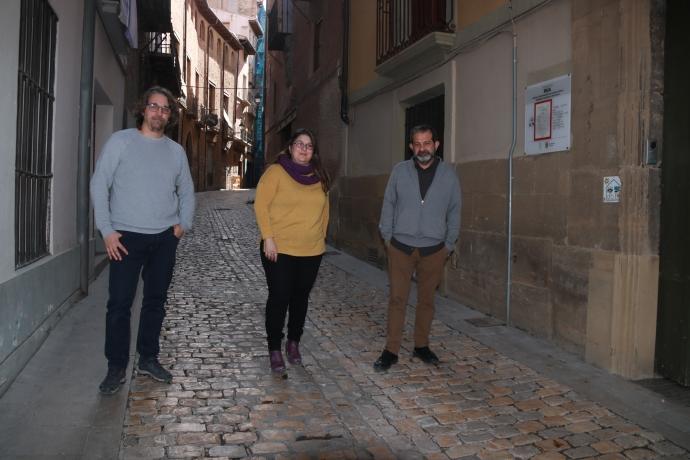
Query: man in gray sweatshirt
column 420, row 223
column 143, row 199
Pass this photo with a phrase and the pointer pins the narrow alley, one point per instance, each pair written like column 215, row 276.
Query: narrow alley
column 224, row 402
column 550, row 135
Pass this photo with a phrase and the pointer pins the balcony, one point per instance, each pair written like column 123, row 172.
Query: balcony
column 251, row 110
column 154, row 15
column 244, row 137
column 279, row 25
column 226, row 128
column 249, row 44
column 411, row 34
column 160, row 63
column 192, row 109
column 208, row 119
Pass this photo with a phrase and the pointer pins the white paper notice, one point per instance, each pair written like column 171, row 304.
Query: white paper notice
column 547, row 116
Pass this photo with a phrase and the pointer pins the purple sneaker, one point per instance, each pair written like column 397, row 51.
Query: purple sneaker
column 277, row 363
column 292, row 351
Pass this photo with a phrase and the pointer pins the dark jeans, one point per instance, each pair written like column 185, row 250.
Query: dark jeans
column 289, row 280
column 153, row 256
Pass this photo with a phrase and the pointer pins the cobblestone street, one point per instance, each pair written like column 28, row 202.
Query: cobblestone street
column 224, row 402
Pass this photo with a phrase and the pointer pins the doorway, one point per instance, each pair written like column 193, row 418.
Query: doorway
column 429, row 112
column 189, row 150
column 672, row 355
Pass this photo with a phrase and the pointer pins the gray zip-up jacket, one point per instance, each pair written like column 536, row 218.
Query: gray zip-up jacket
column 416, row 222
column 142, row 185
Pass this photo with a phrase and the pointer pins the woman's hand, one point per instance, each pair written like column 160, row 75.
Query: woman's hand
column 270, row 249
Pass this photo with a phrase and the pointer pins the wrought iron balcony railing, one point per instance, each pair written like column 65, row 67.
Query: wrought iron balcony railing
column 160, row 61
column 245, row 135
column 158, row 43
column 400, row 23
column 192, row 105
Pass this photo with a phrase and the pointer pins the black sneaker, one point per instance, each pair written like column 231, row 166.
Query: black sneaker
column 385, row 361
column 151, row 367
column 113, row 380
column 425, row 355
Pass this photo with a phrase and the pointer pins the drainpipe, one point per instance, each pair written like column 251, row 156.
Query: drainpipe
column 221, row 110
column 221, row 117
column 234, row 105
column 84, row 141
column 237, row 84
column 344, row 67
column 184, row 58
column 204, row 172
column 509, row 252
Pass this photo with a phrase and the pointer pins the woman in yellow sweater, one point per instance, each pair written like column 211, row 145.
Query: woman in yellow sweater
column 291, row 207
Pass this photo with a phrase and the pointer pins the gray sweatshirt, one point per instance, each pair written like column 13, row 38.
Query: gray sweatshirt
column 142, row 185
column 416, row 222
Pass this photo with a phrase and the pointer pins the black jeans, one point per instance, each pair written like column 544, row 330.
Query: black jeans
column 289, row 280
column 153, row 256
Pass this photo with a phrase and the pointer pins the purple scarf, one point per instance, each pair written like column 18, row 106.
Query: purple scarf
column 302, row 174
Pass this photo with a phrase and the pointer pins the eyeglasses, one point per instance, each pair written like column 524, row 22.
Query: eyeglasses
column 158, row 108
column 303, row 146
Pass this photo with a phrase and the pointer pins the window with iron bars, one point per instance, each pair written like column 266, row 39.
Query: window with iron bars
column 35, row 98
column 400, row 23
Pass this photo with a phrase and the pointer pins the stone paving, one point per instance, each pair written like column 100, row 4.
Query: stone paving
column 224, row 403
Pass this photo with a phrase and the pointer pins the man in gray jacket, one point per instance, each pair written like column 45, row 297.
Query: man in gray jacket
column 420, row 223
column 143, row 199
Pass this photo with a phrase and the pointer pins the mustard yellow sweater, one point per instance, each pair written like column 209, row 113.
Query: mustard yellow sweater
column 294, row 215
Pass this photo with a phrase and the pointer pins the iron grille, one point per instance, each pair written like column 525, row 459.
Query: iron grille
column 400, row 23
column 35, row 98
column 159, row 43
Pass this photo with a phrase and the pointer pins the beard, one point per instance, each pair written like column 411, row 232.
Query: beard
column 424, row 156
column 157, row 124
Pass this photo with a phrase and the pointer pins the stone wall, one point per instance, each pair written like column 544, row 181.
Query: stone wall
column 354, row 227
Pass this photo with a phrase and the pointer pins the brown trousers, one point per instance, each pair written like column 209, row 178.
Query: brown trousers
column 429, row 273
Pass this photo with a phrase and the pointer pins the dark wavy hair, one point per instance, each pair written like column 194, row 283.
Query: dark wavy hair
column 319, row 170
column 423, row 129
column 141, row 105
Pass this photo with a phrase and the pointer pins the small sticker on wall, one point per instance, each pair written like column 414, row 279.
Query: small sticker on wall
column 612, row 189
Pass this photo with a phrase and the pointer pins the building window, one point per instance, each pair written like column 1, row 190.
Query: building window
column 233, row 63
column 211, row 98
column 219, row 50
column 197, row 88
column 188, row 75
column 35, row 98
column 202, row 32
column 317, row 43
column 226, row 103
